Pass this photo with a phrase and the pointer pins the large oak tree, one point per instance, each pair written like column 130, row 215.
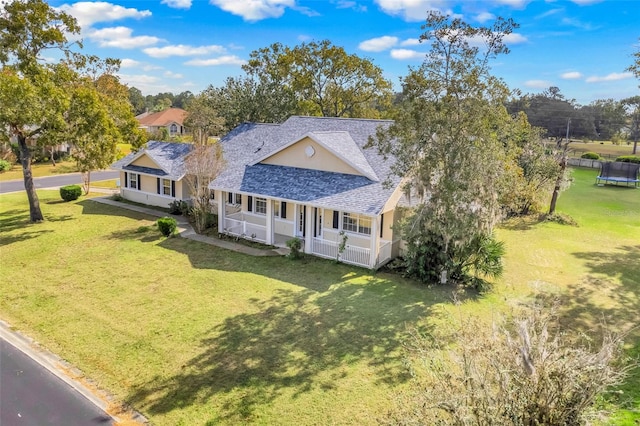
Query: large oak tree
column 76, row 100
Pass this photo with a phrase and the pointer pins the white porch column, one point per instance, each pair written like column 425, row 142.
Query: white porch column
column 218, row 195
column 308, row 229
column 375, row 241
column 269, row 222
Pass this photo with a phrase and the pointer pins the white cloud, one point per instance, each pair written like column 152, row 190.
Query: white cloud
column 614, row 76
column 585, row 2
column 378, row 44
column 348, row 4
column 254, row 10
column 514, row 3
column 182, row 50
column 571, row 75
column 412, row 10
column 405, row 54
column 177, row 4
column 538, row 84
column 138, row 79
column 411, row 42
column 222, row 60
column 306, row 11
column 120, row 37
column 514, row 38
column 88, row 13
column 484, row 17
column 171, row 74
column 132, row 63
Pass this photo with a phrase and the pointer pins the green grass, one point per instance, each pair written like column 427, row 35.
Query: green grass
column 40, row 170
column 606, row 150
column 192, row 334
column 109, row 184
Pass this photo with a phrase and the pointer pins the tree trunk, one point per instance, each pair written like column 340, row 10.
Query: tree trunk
column 53, row 160
column 556, row 189
column 86, row 181
column 635, row 146
column 35, row 214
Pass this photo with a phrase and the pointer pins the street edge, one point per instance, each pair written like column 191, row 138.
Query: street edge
column 57, row 367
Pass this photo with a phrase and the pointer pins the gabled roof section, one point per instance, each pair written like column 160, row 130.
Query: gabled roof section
column 163, row 118
column 248, row 144
column 340, row 144
column 169, row 156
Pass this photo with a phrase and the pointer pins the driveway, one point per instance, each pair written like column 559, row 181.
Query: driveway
column 55, row 181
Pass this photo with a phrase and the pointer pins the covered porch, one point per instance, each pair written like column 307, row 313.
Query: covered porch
column 367, row 241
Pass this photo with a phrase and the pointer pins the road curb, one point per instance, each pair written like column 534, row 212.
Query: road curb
column 63, row 370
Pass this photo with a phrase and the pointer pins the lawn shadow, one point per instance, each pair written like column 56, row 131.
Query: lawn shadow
column 145, row 234
column 522, row 223
column 92, row 207
column 295, row 342
column 13, row 220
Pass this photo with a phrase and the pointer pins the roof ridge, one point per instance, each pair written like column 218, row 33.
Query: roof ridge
column 340, row 118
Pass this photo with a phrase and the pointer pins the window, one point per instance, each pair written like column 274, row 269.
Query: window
column 276, row 209
column 173, row 129
column 360, row 224
column 166, row 187
column 234, row 198
column 261, row 205
column 133, row 181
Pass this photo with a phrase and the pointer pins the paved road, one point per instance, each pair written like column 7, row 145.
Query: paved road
column 31, row 395
column 59, row 180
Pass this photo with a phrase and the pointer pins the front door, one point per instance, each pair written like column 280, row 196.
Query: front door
column 302, row 221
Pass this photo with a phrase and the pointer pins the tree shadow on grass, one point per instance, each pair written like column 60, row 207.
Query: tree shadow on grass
column 295, row 342
column 609, row 297
column 15, row 227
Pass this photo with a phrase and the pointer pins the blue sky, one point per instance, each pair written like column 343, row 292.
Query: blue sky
column 581, row 46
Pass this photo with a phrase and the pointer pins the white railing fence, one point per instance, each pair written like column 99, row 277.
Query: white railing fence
column 384, row 252
column 354, row 255
column 244, row 229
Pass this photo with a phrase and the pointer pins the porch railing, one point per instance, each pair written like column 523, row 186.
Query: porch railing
column 353, row 255
column 244, row 229
column 384, row 253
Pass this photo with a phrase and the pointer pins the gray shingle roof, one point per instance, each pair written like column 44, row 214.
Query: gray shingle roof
column 168, row 155
column 250, row 142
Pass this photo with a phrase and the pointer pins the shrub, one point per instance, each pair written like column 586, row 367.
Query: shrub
column 70, row 192
column 295, row 245
column 520, row 372
column 4, row 166
column 167, row 226
column 591, row 156
column 561, row 218
column 178, row 207
column 629, row 159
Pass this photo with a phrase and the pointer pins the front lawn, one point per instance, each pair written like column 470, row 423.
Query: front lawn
column 193, row 334
column 40, row 170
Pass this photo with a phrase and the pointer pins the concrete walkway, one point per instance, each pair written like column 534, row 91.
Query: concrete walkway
column 186, row 230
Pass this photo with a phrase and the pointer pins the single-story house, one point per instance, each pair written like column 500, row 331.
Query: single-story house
column 171, row 119
column 155, row 174
column 311, row 178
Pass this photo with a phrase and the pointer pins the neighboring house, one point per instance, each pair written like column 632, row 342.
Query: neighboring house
column 155, row 174
column 310, row 177
column 171, row 119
